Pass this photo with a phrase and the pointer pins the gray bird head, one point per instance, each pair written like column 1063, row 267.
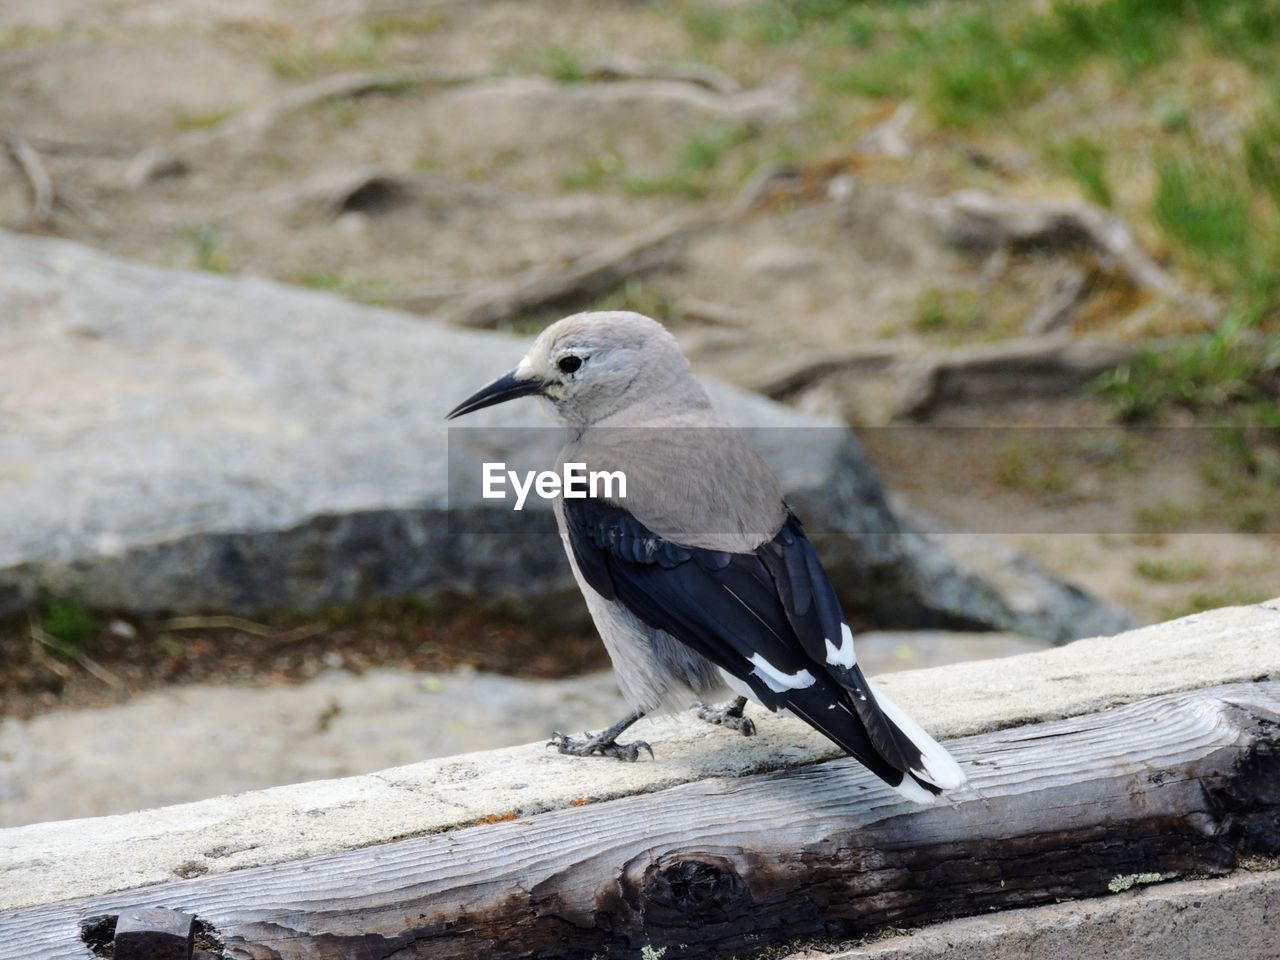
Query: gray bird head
column 591, row 366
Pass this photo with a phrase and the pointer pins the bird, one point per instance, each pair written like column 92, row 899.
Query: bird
column 700, row 580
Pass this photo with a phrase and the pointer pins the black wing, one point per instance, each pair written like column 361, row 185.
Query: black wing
column 770, row 618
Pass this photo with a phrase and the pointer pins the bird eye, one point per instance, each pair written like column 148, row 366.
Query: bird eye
column 569, row 364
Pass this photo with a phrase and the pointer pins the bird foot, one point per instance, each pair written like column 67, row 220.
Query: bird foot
column 726, row 715
column 598, row 746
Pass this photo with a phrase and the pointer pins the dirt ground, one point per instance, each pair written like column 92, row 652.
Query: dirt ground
column 130, row 658
column 471, row 143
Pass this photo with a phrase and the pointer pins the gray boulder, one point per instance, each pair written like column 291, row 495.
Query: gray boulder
column 177, row 442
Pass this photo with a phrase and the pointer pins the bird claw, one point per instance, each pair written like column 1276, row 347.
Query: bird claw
column 596, row 747
column 726, row 715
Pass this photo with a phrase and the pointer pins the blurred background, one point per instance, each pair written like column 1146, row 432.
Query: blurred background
column 1029, row 253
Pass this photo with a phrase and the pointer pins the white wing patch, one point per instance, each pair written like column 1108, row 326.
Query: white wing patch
column 776, row 680
column 842, row 656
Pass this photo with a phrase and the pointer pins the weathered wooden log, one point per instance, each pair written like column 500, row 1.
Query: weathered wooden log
column 1174, row 785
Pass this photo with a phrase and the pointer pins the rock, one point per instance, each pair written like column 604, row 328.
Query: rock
column 888, row 651
column 227, row 739
column 177, row 442
column 1228, row 918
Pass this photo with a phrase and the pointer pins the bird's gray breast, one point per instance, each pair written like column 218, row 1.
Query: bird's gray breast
column 655, row 671
column 693, row 481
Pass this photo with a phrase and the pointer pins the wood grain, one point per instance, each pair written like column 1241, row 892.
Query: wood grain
column 726, row 867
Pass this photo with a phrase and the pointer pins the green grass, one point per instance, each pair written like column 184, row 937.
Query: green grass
column 559, row 63
column 595, row 171
column 1206, row 213
column 361, row 48
column 201, row 119
column 947, row 311
column 970, row 61
column 1213, row 599
column 339, row 112
column 1240, row 492
column 674, row 184
column 1234, row 366
column 697, row 161
column 1221, row 210
column 694, row 173
column 209, row 247
column 848, row 22
column 564, row 66
column 403, row 22
column 964, row 66
column 365, row 46
column 704, row 151
column 1085, row 160
column 69, row 629
column 1175, row 570
column 634, row 295
column 25, row 36
column 1030, row 466
column 1243, row 479
column 706, row 23
column 370, row 289
column 1229, row 378
column 1173, row 118
column 1164, row 516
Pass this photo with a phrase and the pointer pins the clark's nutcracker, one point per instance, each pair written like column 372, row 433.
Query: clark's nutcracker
column 701, row 580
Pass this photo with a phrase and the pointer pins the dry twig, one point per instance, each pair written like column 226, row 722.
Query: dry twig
column 707, row 90
column 586, row 278
column 698, row 74
column 980, row 221
column 1009, row 369
column 333, row 192
column 868, row 358
column 214, row 623
column 1058, row 310
column 250, row 126
column 39, row 183
column 714, row 314
column 98, row 671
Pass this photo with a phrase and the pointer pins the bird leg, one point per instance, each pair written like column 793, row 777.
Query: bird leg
column 727, row 715
column 604, row 743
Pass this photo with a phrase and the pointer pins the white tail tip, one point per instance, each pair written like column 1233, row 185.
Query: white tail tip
column 940, row 768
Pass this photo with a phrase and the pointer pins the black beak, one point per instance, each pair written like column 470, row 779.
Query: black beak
column 501, row 390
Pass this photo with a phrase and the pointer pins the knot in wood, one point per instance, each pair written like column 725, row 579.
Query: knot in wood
column 701, row 888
